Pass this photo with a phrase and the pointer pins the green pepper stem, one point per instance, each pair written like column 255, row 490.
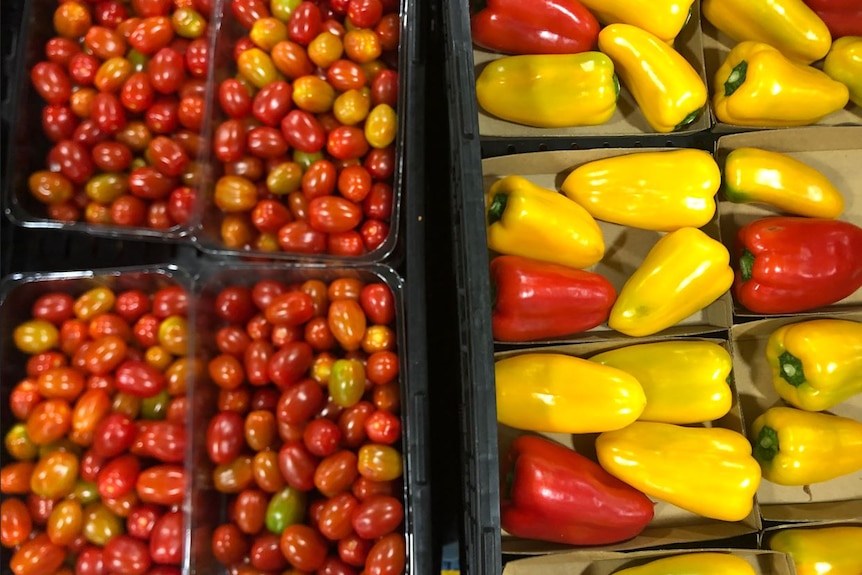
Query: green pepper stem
column 688, row 119
column 766, row 446
column 790, row 369
column 746, row 265
column 736, row 78
column 497, row 207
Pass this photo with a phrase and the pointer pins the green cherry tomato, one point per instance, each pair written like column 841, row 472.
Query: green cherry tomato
column 101, row 524
column 286, row 508
column 85, row 491
column 347, row 382
column 283, row 9
column 306, row 159
column 155, row 407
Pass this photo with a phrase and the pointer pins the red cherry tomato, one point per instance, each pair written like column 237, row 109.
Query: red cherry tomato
column 126, row 555
column 51, row 82
column 166, row 539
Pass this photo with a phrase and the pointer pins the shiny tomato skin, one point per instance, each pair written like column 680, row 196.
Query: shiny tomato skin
column 346, row 75
column 139, row 378
column 113, row 435
column 161, row 440
column 333, row 214
column 250, row 511
column 166, row 539
column 336, row 473
column 58, row 122
column 303, row 546
column 162, row 484
column 289, row 363
column 247, row 12
column 322, row 437
column 167, row 156
column 234, row 98
column 51, row 82
column 336, row 516
column 388, row 556
column 16, row 523
column 265, row 553
column 298, row 403
column 347, row 143
column 90, row 561
column 74, row 161
column 151, row 34
column 300, row 237
column 291, row 308
column 378, row 303
column 266, row 142
column 137, row 93
column 377, row 516
column 303, row 131
column 118, row 476
column 297, row 465
column 37, row 556
column 171, row 300
column 225, row 437
column 166, row 70
column 229, row 544
column 49, row 420
column 125, row 555
column 162, row 117
column 353, row 550
column 256, row 362
column 272, row 103
column 374, row 233
column 142, row 520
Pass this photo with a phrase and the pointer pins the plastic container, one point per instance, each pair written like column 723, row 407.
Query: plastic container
column 409, row 142
column 414, row 447
column 20, row 291
column 29, row 146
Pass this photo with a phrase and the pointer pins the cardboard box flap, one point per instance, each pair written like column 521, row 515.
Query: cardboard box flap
column 590, row 563
column 838, row 499
column 626, row 121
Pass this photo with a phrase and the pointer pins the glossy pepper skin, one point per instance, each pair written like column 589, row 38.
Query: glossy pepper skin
column 697, row 563
column 684, row 381
column 648, row 190
column 843, row 64
column 537, row 300
column 817, row 550
column 550, row 90
column 758, row 86
column 684, row 272
column 527, row 220
column 705, row 470
column 755, row 175
column 842, row 17
column 788, row 264
column 556, row 393
column 816, row 364
column 662, row 18
column 552, row 493
column 789, row 25
column 670, row 93
column 796, row 447
column 534, row 27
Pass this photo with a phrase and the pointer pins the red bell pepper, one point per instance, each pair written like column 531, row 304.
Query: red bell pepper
column 555, row 494
column 537, row 300
column 842, row 17
column 791, row 264
column 535, row 27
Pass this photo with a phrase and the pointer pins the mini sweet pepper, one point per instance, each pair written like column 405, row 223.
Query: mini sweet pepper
column 550, row 90
column 832, row 550
column 670, row 93
column 705, row 470
column 755, row 175
column 527, row 220
column 557, row 393
column 684, row 381
column 536, row 300
column 843, row 63
column 796, row 447
column 788, row 264
column 662, row 18
column 685, row 271
column 758, row 86
column 696, row 563
column 534, row 27
column 552, row 493
column 816, row 364
column 842, row 17
column 789, row 25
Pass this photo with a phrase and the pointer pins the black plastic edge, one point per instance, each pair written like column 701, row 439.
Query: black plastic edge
column 480, row 545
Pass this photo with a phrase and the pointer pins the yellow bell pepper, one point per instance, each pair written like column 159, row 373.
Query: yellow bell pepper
column 754, row 175
column 758, row 86
column 843, row 64
column 697, row 563
column 790, row 26
column 550, row 90
column 556, row 393
column 830, row 550
column 796, row 447
column 647, row 190
column 669, row 92
column 685, row 271
column 684, row 381
column 705, row 470
column 816, row 364
column 662, row 18
column 531, row 221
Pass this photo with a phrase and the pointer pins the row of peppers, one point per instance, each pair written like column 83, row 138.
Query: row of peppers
column 643, row 399
column 568, row 56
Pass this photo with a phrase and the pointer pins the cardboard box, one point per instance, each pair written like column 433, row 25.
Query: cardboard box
column 839, row 499
column 626, row 247
column 670, row 525
column 766, row 534
column 836, row 152
column 586, row 563
column 626, row 121
column 716, row 47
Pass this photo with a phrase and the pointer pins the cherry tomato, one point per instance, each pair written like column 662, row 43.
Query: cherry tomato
column 58, row 122
column 268, row 216
column 166, row 540
column 382, row 367
column 303, row 546
column 90, row 561
column 291, row 59
column 229, row 141
column 138, row 378
column 235, row 194
column 49, row 421
column 162, row 440
column 170, row 300
column 162, row 484
column 16, row 523
column 352, row 423
column 229, row 544
column 312, row 94
column 126, row 555
column 61, row 50
column 260, row 430
column 364, row 13
column 335, row 518
column 336, row 473
column 297, row 465
column 234, row 98
column 353, row 550
column 347, row 322
column 364, row 488
column 387, row 556
column 299, row 402
column 50, row 188
column 113, row 435
column 151, row 34
column 345, row 75
column 51, row 82
column 247, row 12
column 225, row 436
column 256, row 361
column 334, row 214
column 142, row 519
column 257, row 67
column 267, row 476
column 167, row 156
column 15, row 477
column 250, row 510
column 374, row 233
column 162, row 117
column 197, row 57
column 347, row 143
column 272, row 102
column 362, row 45
column 265, row 553
column 117, row 478
column 54, row 475
column 387, row 396
column 266, row 142
column 37, row 555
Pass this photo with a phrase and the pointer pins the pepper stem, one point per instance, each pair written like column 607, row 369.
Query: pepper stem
column 497, row 207
column 736, row 78
column 688, row 119
column 790, row 369
column 766, row 447
column 746, row 265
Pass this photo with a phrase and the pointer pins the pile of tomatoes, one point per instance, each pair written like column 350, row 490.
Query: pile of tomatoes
column 306, row 440
column 124, row 85
column 306, row 141
column 97, row 481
